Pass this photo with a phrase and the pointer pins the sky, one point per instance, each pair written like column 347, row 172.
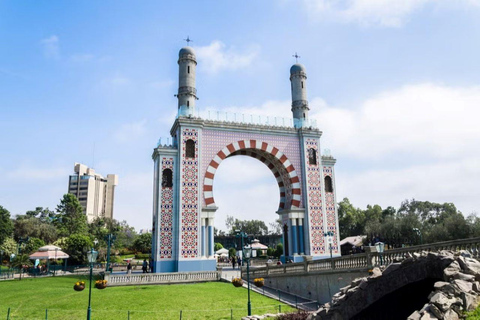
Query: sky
column 393, row 85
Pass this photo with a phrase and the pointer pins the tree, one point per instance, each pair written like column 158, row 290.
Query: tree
column 232, row 252
column 217, row 246
column 71, row 219
column 29, row 226
column 6, row 225
column 32, row 245
column 276, row 227
column 21, row 261
column 351, row 220
column 143, row 243
column 8, row 247
column 279, row 250
column 252, row 227
column 77, row 246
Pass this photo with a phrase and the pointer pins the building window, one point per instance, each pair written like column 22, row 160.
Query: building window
column 328, row 184
column 167, row 178
column 304, row 115
column 302, row 84
column 190, row 149
column 188, row 103
column 188, row 69
column 312, row 156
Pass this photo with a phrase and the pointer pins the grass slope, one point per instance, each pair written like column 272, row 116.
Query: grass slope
column 29, row 298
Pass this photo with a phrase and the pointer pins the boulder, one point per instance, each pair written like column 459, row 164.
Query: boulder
column 428, row 316
column 436, row 311
column 414, row 316
column 462, row 285
column 451, row 315
column 469, row 301
column 464, row 276
column 441, row 301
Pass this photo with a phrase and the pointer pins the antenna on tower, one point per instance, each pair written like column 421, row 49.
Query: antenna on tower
column 296, row 56
column 188, row 40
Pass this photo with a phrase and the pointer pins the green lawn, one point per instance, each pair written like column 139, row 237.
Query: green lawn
column 29, row 298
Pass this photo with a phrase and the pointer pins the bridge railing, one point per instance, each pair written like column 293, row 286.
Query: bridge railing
column 365, row 261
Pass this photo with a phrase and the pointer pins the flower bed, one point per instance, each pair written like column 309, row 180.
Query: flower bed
column 259, row 282
column 79, row 286
column 101, row 284
column 237, row 282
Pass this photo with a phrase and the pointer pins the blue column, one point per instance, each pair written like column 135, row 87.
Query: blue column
column 294, row 237
column 203, row 236
column 300, row 235
column 210, row 239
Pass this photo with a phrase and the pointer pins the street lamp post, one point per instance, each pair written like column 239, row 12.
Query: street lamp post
column 110, row 238
column 247, row 254
column 329, row 236
column 380, row 246
column 92, row 257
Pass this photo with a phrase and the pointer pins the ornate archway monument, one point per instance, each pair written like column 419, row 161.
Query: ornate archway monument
column 184, row 174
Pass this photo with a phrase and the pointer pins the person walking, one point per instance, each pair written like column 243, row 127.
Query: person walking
column 144, row 266
column 129, row 268
column 233, row 262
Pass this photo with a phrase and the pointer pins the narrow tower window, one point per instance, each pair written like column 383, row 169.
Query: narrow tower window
column 312, row 156
column 328, row 184
column 302, row 84
column 188, row 71
column 167, row 178
column 304, row 115
column 190, row 149
column 188, row 103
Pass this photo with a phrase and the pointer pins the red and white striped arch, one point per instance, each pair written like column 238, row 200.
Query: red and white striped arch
column 273, row 158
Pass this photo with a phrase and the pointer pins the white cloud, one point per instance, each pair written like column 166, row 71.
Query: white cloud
column 449, row 181
column 416, row 120
column 386, row 13
column 216, row 57
column 51, row 47
column 132, row 131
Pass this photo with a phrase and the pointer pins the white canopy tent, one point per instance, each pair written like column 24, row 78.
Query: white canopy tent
column 49, row 252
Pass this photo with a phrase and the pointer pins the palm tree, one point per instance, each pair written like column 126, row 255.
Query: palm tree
column 20, row 261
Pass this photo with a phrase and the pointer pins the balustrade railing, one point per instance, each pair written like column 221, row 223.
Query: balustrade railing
column 159, row 278
column 366, row 260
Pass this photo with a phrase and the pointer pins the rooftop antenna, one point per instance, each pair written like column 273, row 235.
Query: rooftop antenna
column 296, row 56
column 188, row 40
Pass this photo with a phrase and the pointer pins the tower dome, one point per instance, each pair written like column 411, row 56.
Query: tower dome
column 186, row 50
column 297, row 67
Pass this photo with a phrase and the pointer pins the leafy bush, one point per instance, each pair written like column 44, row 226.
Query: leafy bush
column 143, row 256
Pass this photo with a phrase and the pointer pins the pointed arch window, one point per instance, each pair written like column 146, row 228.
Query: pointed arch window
column 190, row 149
column 328, row 184
column 312, row 156
column 167, row 179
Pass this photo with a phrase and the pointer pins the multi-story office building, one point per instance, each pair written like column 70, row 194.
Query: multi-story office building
column 94, row 192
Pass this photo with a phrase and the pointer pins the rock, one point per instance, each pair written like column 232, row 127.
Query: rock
column 428, row 316
column 414, row 316
column 436, row 312
column 463, row 276
column 462, row 285
column 441, row 301
column 469, row 301
column 376, row 273
column 440, row 284
column 344, row 289
column 451, row 270
column 357, row 281
column 451, row 315
column 465, row 254
column 476, row 286
column 351, row 291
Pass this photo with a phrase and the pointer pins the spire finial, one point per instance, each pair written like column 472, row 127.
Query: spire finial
column 188, row 40
column 296, row 56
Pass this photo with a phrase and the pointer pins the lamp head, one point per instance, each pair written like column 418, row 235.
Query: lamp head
column 92, row 256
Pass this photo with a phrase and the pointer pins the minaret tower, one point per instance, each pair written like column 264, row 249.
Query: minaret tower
column 298, row 79
column 187, row 94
